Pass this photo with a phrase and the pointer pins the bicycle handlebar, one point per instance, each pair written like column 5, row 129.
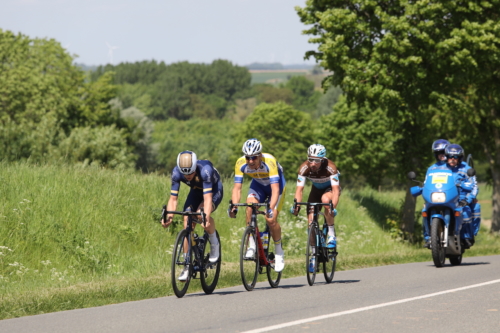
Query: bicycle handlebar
column 251, row 205
column 295, row 204
column 185, row 213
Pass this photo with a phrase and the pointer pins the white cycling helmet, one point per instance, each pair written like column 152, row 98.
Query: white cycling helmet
column 186, row 162
column 316, row 150
column 252, row 147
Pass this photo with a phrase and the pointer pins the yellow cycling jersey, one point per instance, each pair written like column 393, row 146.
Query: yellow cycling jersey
column 269, row 172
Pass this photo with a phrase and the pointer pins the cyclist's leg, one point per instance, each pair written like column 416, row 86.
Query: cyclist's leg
column 256, row 194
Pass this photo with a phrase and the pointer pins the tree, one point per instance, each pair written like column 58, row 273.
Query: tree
column 284, row 132
column 402, row 57
column 305, row 97
column 359, row 141
column 44, row 97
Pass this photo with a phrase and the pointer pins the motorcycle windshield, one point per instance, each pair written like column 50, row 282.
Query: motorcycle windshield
column 439, row 187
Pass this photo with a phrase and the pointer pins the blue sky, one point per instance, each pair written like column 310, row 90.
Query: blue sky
column 242, row 31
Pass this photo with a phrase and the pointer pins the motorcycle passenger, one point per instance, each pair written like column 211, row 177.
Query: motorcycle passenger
column 324, row 176
column 471, row 208
column 206, row 191
column 268, row 182
column 438, row 149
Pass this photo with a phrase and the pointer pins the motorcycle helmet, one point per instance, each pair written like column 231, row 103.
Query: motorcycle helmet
column 454, row 150
column 438, row 147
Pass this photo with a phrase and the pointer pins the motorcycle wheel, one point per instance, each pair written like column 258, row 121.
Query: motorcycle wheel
column 437, row 237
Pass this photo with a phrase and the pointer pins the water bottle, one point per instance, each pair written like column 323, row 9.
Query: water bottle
column 194, row 239
column 265, row 239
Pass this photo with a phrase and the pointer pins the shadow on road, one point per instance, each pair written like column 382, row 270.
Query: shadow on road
column 464, row 264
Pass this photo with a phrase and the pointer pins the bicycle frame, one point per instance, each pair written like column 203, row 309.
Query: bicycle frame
column 253, row 224
column 190, row 229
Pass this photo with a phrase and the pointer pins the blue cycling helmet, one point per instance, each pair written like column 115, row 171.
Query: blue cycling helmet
column 316, row 150
column 438, row 147
column 454, row 150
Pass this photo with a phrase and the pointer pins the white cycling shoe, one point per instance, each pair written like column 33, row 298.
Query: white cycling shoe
column 279, row 262
column 184, row 274
column 214, row 253
column 250, row 252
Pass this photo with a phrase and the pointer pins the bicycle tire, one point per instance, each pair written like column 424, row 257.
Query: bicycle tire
column 330, row 262
column 178, row 264
column 272, row 276
column 249, row 267
column 311, row 238
column 209, row 276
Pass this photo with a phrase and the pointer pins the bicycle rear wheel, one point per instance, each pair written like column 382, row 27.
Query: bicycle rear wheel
column 249, row 266
column 272, row 276
column 311, row 253
column 329, row 263
column 209, row 275
column 179, row 263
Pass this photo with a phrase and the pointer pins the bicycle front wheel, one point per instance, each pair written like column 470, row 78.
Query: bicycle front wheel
column 210, row 273
column 272, row 276
column 311, row 253
column 329, row 263
column 249, row 260
column 181, row 261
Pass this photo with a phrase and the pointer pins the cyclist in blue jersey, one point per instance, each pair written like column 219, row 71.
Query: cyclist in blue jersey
column 268, row 183
column 206, row 191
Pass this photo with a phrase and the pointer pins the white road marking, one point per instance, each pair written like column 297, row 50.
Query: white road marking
column 338, row 314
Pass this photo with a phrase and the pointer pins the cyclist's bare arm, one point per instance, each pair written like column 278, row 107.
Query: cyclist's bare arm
column 171, row 206
column 299, row 192
column 207, row 207
column 335, row 195
column 236, row 196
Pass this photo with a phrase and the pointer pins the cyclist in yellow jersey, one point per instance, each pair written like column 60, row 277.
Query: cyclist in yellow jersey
column 268, row 182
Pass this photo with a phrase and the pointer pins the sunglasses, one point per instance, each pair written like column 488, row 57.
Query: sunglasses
column 253, row 158
column 456, row 157
column 314, row 160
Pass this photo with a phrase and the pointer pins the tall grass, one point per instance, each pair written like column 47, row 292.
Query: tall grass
column 73, row 237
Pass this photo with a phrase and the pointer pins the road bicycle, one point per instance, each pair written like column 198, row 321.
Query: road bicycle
column 193, row 252
column 316, row 247
column 263, row 257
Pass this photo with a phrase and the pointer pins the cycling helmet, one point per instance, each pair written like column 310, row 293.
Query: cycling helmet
column 252, row 147
column 186, row 162
column 316, row 150
column 454, row 150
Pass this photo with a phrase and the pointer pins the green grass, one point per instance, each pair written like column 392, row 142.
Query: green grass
column 74, row 237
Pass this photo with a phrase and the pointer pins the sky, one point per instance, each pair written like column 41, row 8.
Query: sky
column 98, row 32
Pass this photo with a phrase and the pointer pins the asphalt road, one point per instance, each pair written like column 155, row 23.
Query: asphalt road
column 399, row 298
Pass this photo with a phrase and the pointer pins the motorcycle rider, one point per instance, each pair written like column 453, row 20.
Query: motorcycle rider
column 438, row 149
column 468, row 191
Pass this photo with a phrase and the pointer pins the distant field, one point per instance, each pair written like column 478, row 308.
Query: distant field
column 275, row 76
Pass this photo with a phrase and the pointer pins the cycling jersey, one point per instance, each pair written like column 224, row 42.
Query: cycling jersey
column 326, row 176
column 207, row 179
column 269, row 172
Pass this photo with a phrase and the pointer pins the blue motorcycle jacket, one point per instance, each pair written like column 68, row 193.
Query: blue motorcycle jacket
column 467, row 185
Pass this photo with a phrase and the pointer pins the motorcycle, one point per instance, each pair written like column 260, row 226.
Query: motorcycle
column 441, row 196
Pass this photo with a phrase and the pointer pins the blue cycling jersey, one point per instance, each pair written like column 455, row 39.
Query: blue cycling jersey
column 207, row 178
